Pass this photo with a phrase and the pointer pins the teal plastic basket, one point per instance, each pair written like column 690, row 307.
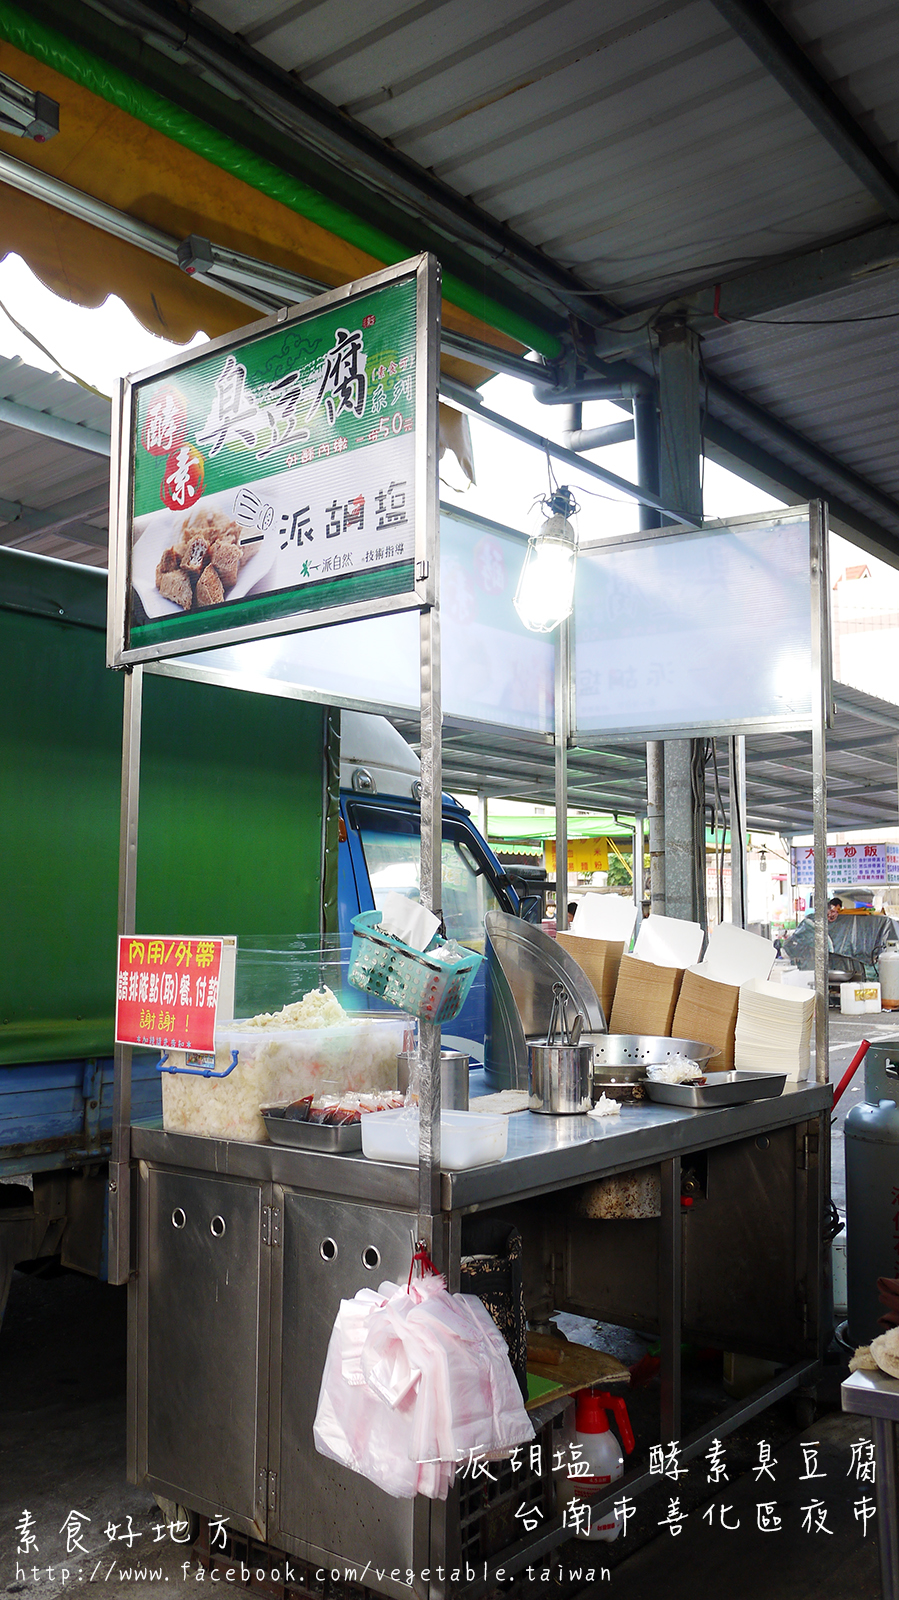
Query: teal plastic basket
column 409, row 979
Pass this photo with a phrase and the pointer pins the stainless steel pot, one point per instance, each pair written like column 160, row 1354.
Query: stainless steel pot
column 454, row 1066
column 559, row 1078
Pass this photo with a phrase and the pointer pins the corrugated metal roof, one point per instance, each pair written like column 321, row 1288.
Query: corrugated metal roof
column 830, row 370
column 39, row 473
column 643, row 144
column 646, row 147
column 861, row 769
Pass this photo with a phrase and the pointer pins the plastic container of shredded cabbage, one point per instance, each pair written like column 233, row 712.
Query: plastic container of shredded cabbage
column 277, row 1063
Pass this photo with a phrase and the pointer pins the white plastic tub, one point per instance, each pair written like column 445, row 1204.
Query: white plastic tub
column 858, row 997
column 467, row 1139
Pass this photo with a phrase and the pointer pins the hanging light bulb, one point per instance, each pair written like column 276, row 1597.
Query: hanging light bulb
column 545, row 593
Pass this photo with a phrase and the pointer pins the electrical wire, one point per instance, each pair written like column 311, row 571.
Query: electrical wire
column 51, row 357
column 719, row 811
column 807, row 322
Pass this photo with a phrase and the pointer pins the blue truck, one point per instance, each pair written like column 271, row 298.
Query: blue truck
column 235, row 811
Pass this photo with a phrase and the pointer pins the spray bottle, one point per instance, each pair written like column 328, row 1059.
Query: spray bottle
column 597, row 1448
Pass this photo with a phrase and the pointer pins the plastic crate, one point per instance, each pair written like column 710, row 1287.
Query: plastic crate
column 410, row 979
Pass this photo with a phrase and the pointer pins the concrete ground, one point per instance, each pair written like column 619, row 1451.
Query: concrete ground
column 63, row 1484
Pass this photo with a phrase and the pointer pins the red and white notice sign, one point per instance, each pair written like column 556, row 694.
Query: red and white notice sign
column 167, row 992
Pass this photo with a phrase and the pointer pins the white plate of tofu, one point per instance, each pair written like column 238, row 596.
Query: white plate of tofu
column 200, row 558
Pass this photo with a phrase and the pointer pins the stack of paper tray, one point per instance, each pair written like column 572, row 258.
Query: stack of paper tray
column 774, row 1029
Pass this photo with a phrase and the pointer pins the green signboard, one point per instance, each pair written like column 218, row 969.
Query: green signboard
column 279, row 478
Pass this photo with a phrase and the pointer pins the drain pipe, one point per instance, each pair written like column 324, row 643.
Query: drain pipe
column 593, row 389
column 579, row 439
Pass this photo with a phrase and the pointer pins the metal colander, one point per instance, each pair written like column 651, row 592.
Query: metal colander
column 624, row 1057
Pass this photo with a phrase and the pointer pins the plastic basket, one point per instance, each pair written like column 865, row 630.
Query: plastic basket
column 382, row 965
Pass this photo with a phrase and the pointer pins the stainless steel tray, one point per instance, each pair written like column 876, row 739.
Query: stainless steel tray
column 719, row 1089
column 334, row 1137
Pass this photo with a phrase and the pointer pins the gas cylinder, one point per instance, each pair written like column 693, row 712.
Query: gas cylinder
column 888, row 973
column 872, row 1212
column 596, row 1446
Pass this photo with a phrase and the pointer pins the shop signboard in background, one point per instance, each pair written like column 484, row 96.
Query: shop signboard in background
column 584, row 856
column 276, row 478
column 847, row 864
column 169, row 991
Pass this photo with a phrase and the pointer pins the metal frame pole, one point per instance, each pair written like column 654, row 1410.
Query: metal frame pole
column 822, row 694
column 562, row 734
column 428, row 508
column 120, row 1162
column 639, row 849
column 671, row 1299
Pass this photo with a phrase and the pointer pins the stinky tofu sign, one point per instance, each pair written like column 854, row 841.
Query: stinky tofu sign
column 278, row 478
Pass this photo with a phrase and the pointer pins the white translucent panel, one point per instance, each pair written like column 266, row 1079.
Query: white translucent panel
column 494, row 670
column 706, row 632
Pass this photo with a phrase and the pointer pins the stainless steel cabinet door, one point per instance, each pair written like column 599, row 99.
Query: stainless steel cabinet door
column 330, row 1249
column 205, row 1332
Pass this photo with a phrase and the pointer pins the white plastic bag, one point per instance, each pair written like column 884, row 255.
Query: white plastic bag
column 417, row 1381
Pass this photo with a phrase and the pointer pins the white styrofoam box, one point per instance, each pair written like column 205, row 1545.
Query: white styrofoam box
column 859, row 997
column 466, row 1139
column 796, row 977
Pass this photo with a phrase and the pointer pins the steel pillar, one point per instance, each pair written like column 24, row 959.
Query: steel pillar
column 680, row 484
column 646, row 433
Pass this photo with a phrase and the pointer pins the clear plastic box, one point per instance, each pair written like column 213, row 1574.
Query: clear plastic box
column 467, row 1138
column 275, row 1065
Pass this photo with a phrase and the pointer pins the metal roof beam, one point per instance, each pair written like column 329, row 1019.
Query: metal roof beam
column 790, row 281
column 472, row 402
column 66, row 516
column 811, row 455
column 823, row 476
column 53, row 427
column 768, row 39
column 867, row 714
column 819, row 476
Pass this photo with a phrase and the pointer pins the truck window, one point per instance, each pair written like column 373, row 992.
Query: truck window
column 392, row 860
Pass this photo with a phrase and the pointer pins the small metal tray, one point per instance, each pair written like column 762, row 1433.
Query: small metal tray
column 719, row 1089
column 334, row 1137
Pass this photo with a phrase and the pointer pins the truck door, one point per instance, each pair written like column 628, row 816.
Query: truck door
column 383, row 849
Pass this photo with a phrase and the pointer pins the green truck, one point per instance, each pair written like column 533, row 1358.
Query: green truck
column 249, row 824
column 232, row 788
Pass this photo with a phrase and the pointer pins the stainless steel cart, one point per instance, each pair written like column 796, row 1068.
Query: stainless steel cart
column 244, row 1252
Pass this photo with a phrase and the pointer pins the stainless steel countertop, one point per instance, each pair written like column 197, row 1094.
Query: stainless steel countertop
column 544, row 1153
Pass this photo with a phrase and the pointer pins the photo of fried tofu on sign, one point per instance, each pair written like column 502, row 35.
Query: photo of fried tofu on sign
column 198, row 570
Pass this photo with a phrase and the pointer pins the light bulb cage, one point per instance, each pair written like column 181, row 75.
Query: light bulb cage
column 545, row 593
